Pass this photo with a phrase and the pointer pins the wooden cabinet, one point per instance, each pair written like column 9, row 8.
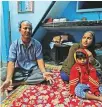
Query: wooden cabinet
column 59, row 53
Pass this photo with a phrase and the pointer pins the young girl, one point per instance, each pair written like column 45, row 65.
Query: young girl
column 83, row 78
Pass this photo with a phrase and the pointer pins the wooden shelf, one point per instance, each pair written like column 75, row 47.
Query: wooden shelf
column 76, row 27
column 94, row 25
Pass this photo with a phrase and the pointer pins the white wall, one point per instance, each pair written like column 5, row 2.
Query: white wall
column 40, row 8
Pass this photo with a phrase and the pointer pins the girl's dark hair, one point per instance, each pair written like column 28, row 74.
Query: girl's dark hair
column 80, row 55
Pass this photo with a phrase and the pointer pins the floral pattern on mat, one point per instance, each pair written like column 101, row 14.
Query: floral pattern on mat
column 55, row 95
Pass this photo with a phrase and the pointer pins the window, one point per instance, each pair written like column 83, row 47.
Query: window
column 89, row 6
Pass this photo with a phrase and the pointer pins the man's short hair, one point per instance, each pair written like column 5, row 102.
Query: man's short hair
column 20, row 23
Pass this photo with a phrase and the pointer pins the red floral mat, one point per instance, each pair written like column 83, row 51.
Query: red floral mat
column 42, row 95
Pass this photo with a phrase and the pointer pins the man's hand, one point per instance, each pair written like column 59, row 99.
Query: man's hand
column 48, row 77
column 6, row 86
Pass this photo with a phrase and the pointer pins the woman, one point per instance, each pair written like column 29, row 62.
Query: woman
column 87, row 42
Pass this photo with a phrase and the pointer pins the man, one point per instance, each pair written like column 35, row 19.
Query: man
column 25, row 61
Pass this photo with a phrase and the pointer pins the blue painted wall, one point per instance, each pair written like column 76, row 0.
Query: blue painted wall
column 71, row 14
column 67, row 9
column 55, row 12
column 5, row 41
column 0, row 27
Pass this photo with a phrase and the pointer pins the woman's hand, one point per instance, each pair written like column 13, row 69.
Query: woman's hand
column 48, row 77
column 91, row 58
column 88, row 52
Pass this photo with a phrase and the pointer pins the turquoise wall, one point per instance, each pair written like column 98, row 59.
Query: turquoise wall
column 5, row 41
column 0, row 27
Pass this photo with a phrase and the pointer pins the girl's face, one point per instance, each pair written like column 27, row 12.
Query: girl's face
column 81, row 61
column 87, row 39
